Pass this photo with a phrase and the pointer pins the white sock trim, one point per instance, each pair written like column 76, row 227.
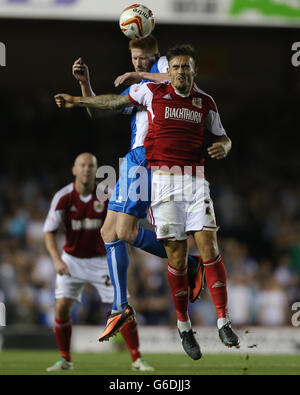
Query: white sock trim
column 221, row 322
column 184, row 326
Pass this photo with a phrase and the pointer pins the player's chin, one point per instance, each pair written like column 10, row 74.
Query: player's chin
column 87, row 180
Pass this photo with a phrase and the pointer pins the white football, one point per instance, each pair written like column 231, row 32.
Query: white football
column 137, row 21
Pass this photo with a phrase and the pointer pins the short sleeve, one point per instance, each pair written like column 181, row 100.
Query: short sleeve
column 55, row 216
column 140, row 95
column 213, row 121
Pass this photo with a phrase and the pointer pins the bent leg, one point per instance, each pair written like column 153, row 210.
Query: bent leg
column 117, row 259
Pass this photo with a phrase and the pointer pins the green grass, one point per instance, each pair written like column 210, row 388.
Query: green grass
column 35, row 362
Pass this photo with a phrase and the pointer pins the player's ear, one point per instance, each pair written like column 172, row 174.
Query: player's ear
column 74, row 171
column 196, row 71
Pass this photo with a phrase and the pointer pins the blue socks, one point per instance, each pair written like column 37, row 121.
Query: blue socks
column 118, row 263
column 146, row 240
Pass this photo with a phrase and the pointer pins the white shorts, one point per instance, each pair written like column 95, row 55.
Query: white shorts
column 180, row 204
column 90, row 270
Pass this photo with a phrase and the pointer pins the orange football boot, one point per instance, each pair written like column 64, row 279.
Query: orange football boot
column 196, row 280
column 116, row 321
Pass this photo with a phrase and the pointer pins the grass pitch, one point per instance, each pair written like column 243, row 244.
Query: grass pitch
column 35, row 362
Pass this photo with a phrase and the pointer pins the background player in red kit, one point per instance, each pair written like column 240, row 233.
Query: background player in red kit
column 179, row 114
column 83, row 259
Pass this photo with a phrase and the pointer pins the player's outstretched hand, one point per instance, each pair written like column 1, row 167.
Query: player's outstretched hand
column 128, row 79
column 64, row 100
column 61, row 268
column 217, row 151
column 80, row 71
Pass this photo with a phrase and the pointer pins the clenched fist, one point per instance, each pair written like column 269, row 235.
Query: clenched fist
column 63, row 100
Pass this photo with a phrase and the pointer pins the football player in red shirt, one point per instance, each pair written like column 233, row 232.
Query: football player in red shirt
column 179, row 114
column 83, row 259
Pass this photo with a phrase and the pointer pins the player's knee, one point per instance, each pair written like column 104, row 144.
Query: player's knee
column 127, row 233
column 177, row 254
column 179, row 263
column 62, row 309
column 209, row 250
column 108, row 233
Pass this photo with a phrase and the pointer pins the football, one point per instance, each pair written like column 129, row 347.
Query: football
column 137, row 21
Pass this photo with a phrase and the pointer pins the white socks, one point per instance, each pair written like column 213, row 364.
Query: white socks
column 221, row 322
column 184, row 326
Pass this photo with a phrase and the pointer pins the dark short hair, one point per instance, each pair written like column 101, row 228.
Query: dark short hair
column 181, row 50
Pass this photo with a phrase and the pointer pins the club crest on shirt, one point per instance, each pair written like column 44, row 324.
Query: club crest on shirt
column 98, row 206
column 197, row 102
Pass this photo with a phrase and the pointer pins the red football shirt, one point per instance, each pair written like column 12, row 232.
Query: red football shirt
column 176, row 123
column 82, row 217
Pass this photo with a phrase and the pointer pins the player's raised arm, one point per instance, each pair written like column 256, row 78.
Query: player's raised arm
column 115, row 103
column 80, row 71
column 134, row 77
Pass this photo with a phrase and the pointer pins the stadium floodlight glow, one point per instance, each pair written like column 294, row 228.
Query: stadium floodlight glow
column 2, row 55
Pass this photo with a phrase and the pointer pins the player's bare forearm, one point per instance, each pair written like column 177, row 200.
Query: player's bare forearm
column 87, row 91
column 221, row 148
column 155, row 77
column 115, row 103
column 52, row 248
column 136, row 77
column 51, row 245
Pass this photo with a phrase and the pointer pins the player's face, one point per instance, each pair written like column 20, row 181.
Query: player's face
column 182, row 72
column 85, row 169
column 142, row 60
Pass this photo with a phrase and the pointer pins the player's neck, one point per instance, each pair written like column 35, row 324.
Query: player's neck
column 84, row 189
column 186, row 92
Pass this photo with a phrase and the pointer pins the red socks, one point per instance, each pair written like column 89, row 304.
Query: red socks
column 215, row 274
column 63, row 333
column 179, row 286
column 130, row 334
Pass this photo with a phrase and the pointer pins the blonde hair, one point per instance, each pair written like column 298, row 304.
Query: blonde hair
column 149, row 44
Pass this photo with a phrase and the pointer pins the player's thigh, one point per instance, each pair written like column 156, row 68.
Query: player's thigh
column 167, row 212
column 207, row 244
column 177, row 252
column 108, row 230
column 68, row 287
column 127, row 227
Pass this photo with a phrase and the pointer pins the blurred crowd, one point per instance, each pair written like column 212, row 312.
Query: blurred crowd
column 256, row 194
